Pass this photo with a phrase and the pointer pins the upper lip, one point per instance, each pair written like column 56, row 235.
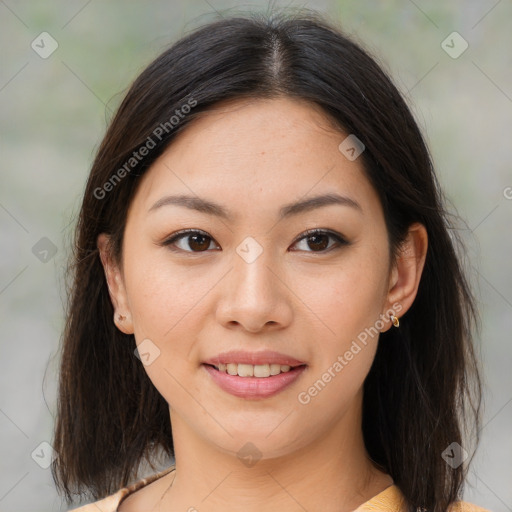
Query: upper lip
column 254, row 358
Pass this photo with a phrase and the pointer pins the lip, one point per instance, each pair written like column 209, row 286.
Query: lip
column 254, row 388
column 254, row 358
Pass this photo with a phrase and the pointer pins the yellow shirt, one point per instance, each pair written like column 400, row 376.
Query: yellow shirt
column 389, row 500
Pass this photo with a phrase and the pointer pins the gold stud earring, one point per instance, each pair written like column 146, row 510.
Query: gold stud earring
column 121, row 318
column 395, row 321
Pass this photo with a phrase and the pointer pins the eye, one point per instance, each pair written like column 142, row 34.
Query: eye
column 196, row 240
column 318, row 240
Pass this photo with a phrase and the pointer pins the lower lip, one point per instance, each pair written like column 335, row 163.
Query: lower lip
column 254, row 387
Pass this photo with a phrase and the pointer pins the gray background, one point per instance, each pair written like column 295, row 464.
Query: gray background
column 54, row 113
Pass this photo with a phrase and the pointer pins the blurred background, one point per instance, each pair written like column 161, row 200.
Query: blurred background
column 64, row 68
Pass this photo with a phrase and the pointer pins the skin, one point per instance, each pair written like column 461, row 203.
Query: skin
column 252, row 157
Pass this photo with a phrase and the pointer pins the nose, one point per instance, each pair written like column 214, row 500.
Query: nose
column 254, row 296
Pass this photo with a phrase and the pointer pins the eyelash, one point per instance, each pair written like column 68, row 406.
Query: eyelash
column 340, row 240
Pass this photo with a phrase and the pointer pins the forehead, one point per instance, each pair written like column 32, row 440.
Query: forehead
column 257, row 152
column 252, row 128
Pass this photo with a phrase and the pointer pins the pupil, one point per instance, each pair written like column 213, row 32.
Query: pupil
column 319, row 242
column 200, row 246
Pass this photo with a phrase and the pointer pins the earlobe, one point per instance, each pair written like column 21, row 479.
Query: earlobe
column 115, row 283
column 407, row 271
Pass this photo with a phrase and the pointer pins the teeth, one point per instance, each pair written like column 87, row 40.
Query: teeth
column 275, row 369
column 249, row 370
column 261, row 370
column 245, row 370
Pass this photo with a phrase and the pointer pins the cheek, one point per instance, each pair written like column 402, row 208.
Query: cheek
column 162, row 296
column 166, row 307
column 343, row 354
column 346, row 299
column 169, row 306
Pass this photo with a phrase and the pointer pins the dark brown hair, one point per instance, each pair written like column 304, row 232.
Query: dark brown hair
column 423, row 391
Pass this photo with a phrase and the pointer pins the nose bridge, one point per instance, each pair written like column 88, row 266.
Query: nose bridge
column 251, row 278
column 253, row 295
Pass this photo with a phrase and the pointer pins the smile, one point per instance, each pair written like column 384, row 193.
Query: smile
column 253, row 382
column 249, row 370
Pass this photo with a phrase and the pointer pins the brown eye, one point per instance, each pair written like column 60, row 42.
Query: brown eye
column 194, row 241
column 199, row 242
column 189, row 241
column 320, row 241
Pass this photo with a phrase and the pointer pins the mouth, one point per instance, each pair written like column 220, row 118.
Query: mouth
column 249, row 370
column 254, row 375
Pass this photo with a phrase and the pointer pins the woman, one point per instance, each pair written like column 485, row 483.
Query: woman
column 266, row 289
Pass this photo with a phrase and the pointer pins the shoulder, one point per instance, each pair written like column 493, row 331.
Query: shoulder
column 391, row 499
column 108, row 504
column 111, row 503
column 464, row 506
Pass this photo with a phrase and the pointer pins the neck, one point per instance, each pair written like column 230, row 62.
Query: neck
column 333, row 473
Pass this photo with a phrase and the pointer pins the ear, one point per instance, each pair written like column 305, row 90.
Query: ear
column 116, row 287
column 406, row 274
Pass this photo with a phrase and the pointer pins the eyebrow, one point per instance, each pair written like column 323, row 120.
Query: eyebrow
column 210, row 208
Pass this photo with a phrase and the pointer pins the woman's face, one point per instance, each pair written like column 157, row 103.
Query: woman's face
column 252, row 178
